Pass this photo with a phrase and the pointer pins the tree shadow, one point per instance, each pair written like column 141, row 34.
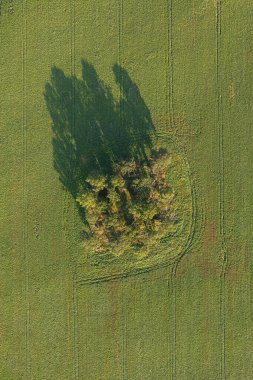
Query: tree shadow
column 93, row 131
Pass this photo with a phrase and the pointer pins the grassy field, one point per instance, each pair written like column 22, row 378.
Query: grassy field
column 192, row 319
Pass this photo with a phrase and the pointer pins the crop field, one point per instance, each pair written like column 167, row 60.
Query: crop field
column 185, row 67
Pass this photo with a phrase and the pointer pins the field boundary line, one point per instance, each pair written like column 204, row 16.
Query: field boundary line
column 222, row 296
column 25, row 196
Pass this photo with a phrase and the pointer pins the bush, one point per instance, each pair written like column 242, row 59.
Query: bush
column 127, row 211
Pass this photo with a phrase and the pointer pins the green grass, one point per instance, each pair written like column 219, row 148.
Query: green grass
column 184, row 321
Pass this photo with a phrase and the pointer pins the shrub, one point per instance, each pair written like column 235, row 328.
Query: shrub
column 127, row 211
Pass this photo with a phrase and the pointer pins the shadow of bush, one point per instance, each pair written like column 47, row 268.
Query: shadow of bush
column 93, row 131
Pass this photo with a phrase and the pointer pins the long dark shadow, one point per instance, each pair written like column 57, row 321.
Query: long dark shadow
column 92, row 131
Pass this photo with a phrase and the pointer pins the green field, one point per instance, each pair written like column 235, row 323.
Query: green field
column 189, row 319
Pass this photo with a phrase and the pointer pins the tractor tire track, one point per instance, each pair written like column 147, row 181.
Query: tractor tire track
column 170, row 117
column 25, row 196
column 222, row 295
column 74, row 287
column 123, row 298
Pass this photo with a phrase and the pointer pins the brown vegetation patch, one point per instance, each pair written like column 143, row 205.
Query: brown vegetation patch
column 203, row 259
column 231, row 90
column 237, row 269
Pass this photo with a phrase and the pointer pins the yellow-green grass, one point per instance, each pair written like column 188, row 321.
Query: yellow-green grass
column 191, row 320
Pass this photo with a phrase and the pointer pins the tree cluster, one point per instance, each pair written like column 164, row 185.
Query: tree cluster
column 128, row 210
